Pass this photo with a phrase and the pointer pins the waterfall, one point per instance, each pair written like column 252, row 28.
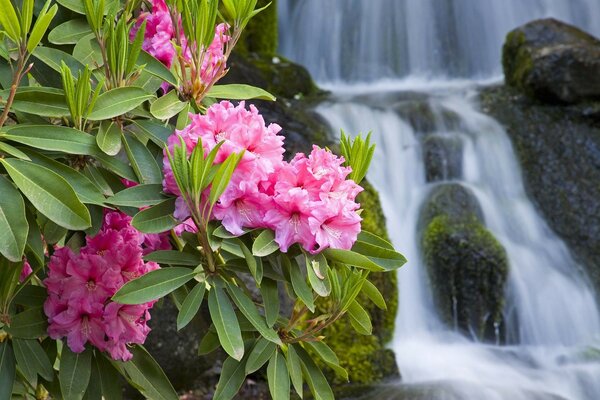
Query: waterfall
column 375, row 55
column 358, row 40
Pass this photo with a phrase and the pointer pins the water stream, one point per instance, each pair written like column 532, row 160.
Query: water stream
column 437, row 57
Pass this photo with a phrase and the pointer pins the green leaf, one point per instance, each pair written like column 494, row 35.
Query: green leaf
column 138, row 196
column 13, row 222
column 29, row 324
column 156, row 68
column 231, row 379
column 375, row 240
column 84, row 188
column 359, row 318
column 260, row 354
column 174, row 257
column 278, row 377
column 156, row 219
column 146, row 375
column 88, row 52
column 153, row 285
column 40, row 101
column 247, row 307
column 270, row 295
column 109, row 137
column 254, row 264
column 49, row 193
column 53, row 57
column 299, row 285
column 191, row 305
column 8, row 370
column 53, row 138
column 374, row 294
column 115, row 165
column 314, row 377
column 223, row 176
column 117, row 102
column 316, row 269
column 13, row 151
column 239, row 92
column 142, row 161
column 265, row 244
column 329, row 357
column 352, row 258
column 74, row 374
column 32, row 359
column 79, row 8
column 39, row 29
column 386, row 258
column 156, row 132
column 9, row 20
column 108, row 377
column 295, row 369
column 209, row 343
column 69, row 32
column 31, row 296
column 167, row 106
column 225, row 321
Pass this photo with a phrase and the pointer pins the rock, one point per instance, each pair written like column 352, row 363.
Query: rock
column 443, row 157
column 552, row 62
column 466, row 265
column 421, row 115
column 559, row 151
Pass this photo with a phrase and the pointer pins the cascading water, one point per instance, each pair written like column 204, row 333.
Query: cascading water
column 551, row 318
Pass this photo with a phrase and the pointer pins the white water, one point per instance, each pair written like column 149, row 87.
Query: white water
column 551, row 316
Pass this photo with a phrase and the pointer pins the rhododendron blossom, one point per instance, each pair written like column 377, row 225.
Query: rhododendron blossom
column 308, row 200
column 80, row 286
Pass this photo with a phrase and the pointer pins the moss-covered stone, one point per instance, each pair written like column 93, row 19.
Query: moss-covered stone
column 558, row 149
column 443, row 157
column 466, row 265
column 260, row 35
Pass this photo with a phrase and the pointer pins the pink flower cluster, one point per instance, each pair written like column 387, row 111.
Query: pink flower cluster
column 159, row 40
column 80, row 286
column 307, row 201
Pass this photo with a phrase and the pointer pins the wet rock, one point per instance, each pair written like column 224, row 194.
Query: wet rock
column 559, row 151
column 552, row 61
column 425, row 117
column 443, row 157
column 466, row 265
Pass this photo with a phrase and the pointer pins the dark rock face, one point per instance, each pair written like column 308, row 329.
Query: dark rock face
column 443, row 157
column 553, row 62
column 559, row 151
column 466, row 265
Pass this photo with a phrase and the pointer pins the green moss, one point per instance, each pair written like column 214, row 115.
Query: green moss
column 365, row 357
column 260, row 35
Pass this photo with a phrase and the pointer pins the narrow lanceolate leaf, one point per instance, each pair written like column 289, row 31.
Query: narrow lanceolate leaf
column 13, row 151
column 174, row 257
column 9, row 20
column 108, row 377
column 156, row 68
column 167, row 106
column 260, row 354
column 40, row 101
column 295, row 369
column 278, row 377
column 265, row 244
column 313, row 375
column 142, row 161
column 156, row 219
column 53, row 138
column 109, row 137
column 69, row 32
column 239, row 92
column 223, row 175
column 153, row 285
column 232, row 377
column 138, row 196
column 191, row 305
column 254, row 264
column 225, row 321
column 32, row 359
column 75, row 371
column 300, row 286
column 146, row 375
column 117, row 102
column 270, row 295
column 360, row 319
column 387, row 259
column 352, row 258
column 8, row 370
column 41, row 26
column 329, row 357
column 374, row 294
column 13, row 222
column 247, row 307
column 157, row 133
column 28, row 324
column 316, row 269
column 49, row 193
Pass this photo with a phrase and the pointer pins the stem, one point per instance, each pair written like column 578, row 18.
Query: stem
column 14, row 86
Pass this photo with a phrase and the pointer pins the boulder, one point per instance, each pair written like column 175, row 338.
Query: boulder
column 552, row 62
column 443, row 156
column 466, row 265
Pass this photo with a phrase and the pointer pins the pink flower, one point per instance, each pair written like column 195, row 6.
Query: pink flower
column 26, row 271
column 334, row 226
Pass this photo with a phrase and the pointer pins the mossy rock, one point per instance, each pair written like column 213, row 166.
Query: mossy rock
column 261, row 33
column 558, row 150
column 552, row 61
column 466, row 265
column 443, row 156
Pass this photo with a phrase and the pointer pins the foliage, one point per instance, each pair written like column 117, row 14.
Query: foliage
column 88, row 213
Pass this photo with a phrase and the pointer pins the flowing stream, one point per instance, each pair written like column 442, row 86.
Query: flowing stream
column 380, row 57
